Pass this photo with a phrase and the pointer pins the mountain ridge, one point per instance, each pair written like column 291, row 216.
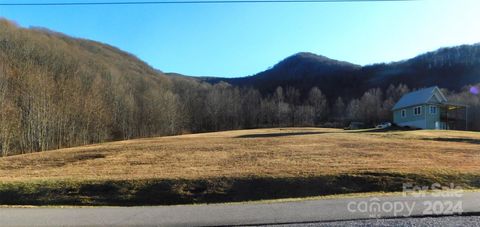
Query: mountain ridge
column 447, row 67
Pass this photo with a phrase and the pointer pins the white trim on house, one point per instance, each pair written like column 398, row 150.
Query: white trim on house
column 444, row 99
column 439, row 96
column 426, row 121
column 434, row 96
column 419, row 97
column 433, row 107
column 415, row 111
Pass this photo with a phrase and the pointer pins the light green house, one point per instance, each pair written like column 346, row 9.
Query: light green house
column 429, row 109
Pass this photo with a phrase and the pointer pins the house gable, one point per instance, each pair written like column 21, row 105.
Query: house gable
column 416, row 106
column 437, row 97
column 420, row 97
column 434, row 99
column 428, row 109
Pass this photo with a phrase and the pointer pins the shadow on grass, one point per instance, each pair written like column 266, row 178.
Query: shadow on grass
column 181, row 191
column 381, row 130
column 459, row 140
column 280, row 134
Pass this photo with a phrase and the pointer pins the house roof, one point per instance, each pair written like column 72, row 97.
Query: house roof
column 422, row 96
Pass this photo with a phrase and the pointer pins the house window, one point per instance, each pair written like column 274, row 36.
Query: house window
column 433, row 110
column 417, row 111
column 404, row 113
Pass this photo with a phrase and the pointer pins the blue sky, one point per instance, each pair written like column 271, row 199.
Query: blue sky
column 231, row 40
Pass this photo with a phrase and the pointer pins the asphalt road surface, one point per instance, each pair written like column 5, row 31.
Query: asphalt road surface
column 453, row 221
column 322, row 211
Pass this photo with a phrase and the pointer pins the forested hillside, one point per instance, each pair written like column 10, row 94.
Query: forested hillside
column 367, row 93
column 304, row 71
column 57, row 91
column 451, row 68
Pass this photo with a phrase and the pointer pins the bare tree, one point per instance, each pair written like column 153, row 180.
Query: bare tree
column 354, row 110
column 339, row 110
column 318, row 101
column 371, row 105
column 292, row 97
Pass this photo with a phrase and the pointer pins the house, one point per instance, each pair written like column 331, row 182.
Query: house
column 429, row 109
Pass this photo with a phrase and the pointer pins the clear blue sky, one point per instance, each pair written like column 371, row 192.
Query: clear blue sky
column 243, row 39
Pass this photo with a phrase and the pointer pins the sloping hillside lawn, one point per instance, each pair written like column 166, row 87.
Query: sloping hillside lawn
column 240, row 165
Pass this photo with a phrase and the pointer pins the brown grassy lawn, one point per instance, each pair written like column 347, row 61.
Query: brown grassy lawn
column 286, row 153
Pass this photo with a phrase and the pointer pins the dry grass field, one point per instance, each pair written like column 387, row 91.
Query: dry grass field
column 282, row 155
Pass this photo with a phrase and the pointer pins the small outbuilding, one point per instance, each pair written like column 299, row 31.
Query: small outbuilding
column 429, row 109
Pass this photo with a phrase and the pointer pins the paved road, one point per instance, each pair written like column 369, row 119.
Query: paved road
column 240, row 214
column 453, row 221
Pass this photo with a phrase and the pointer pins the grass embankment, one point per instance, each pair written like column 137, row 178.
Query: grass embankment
column 239, row 166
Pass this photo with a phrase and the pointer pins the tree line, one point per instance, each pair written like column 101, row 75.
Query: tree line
column 56, row 92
